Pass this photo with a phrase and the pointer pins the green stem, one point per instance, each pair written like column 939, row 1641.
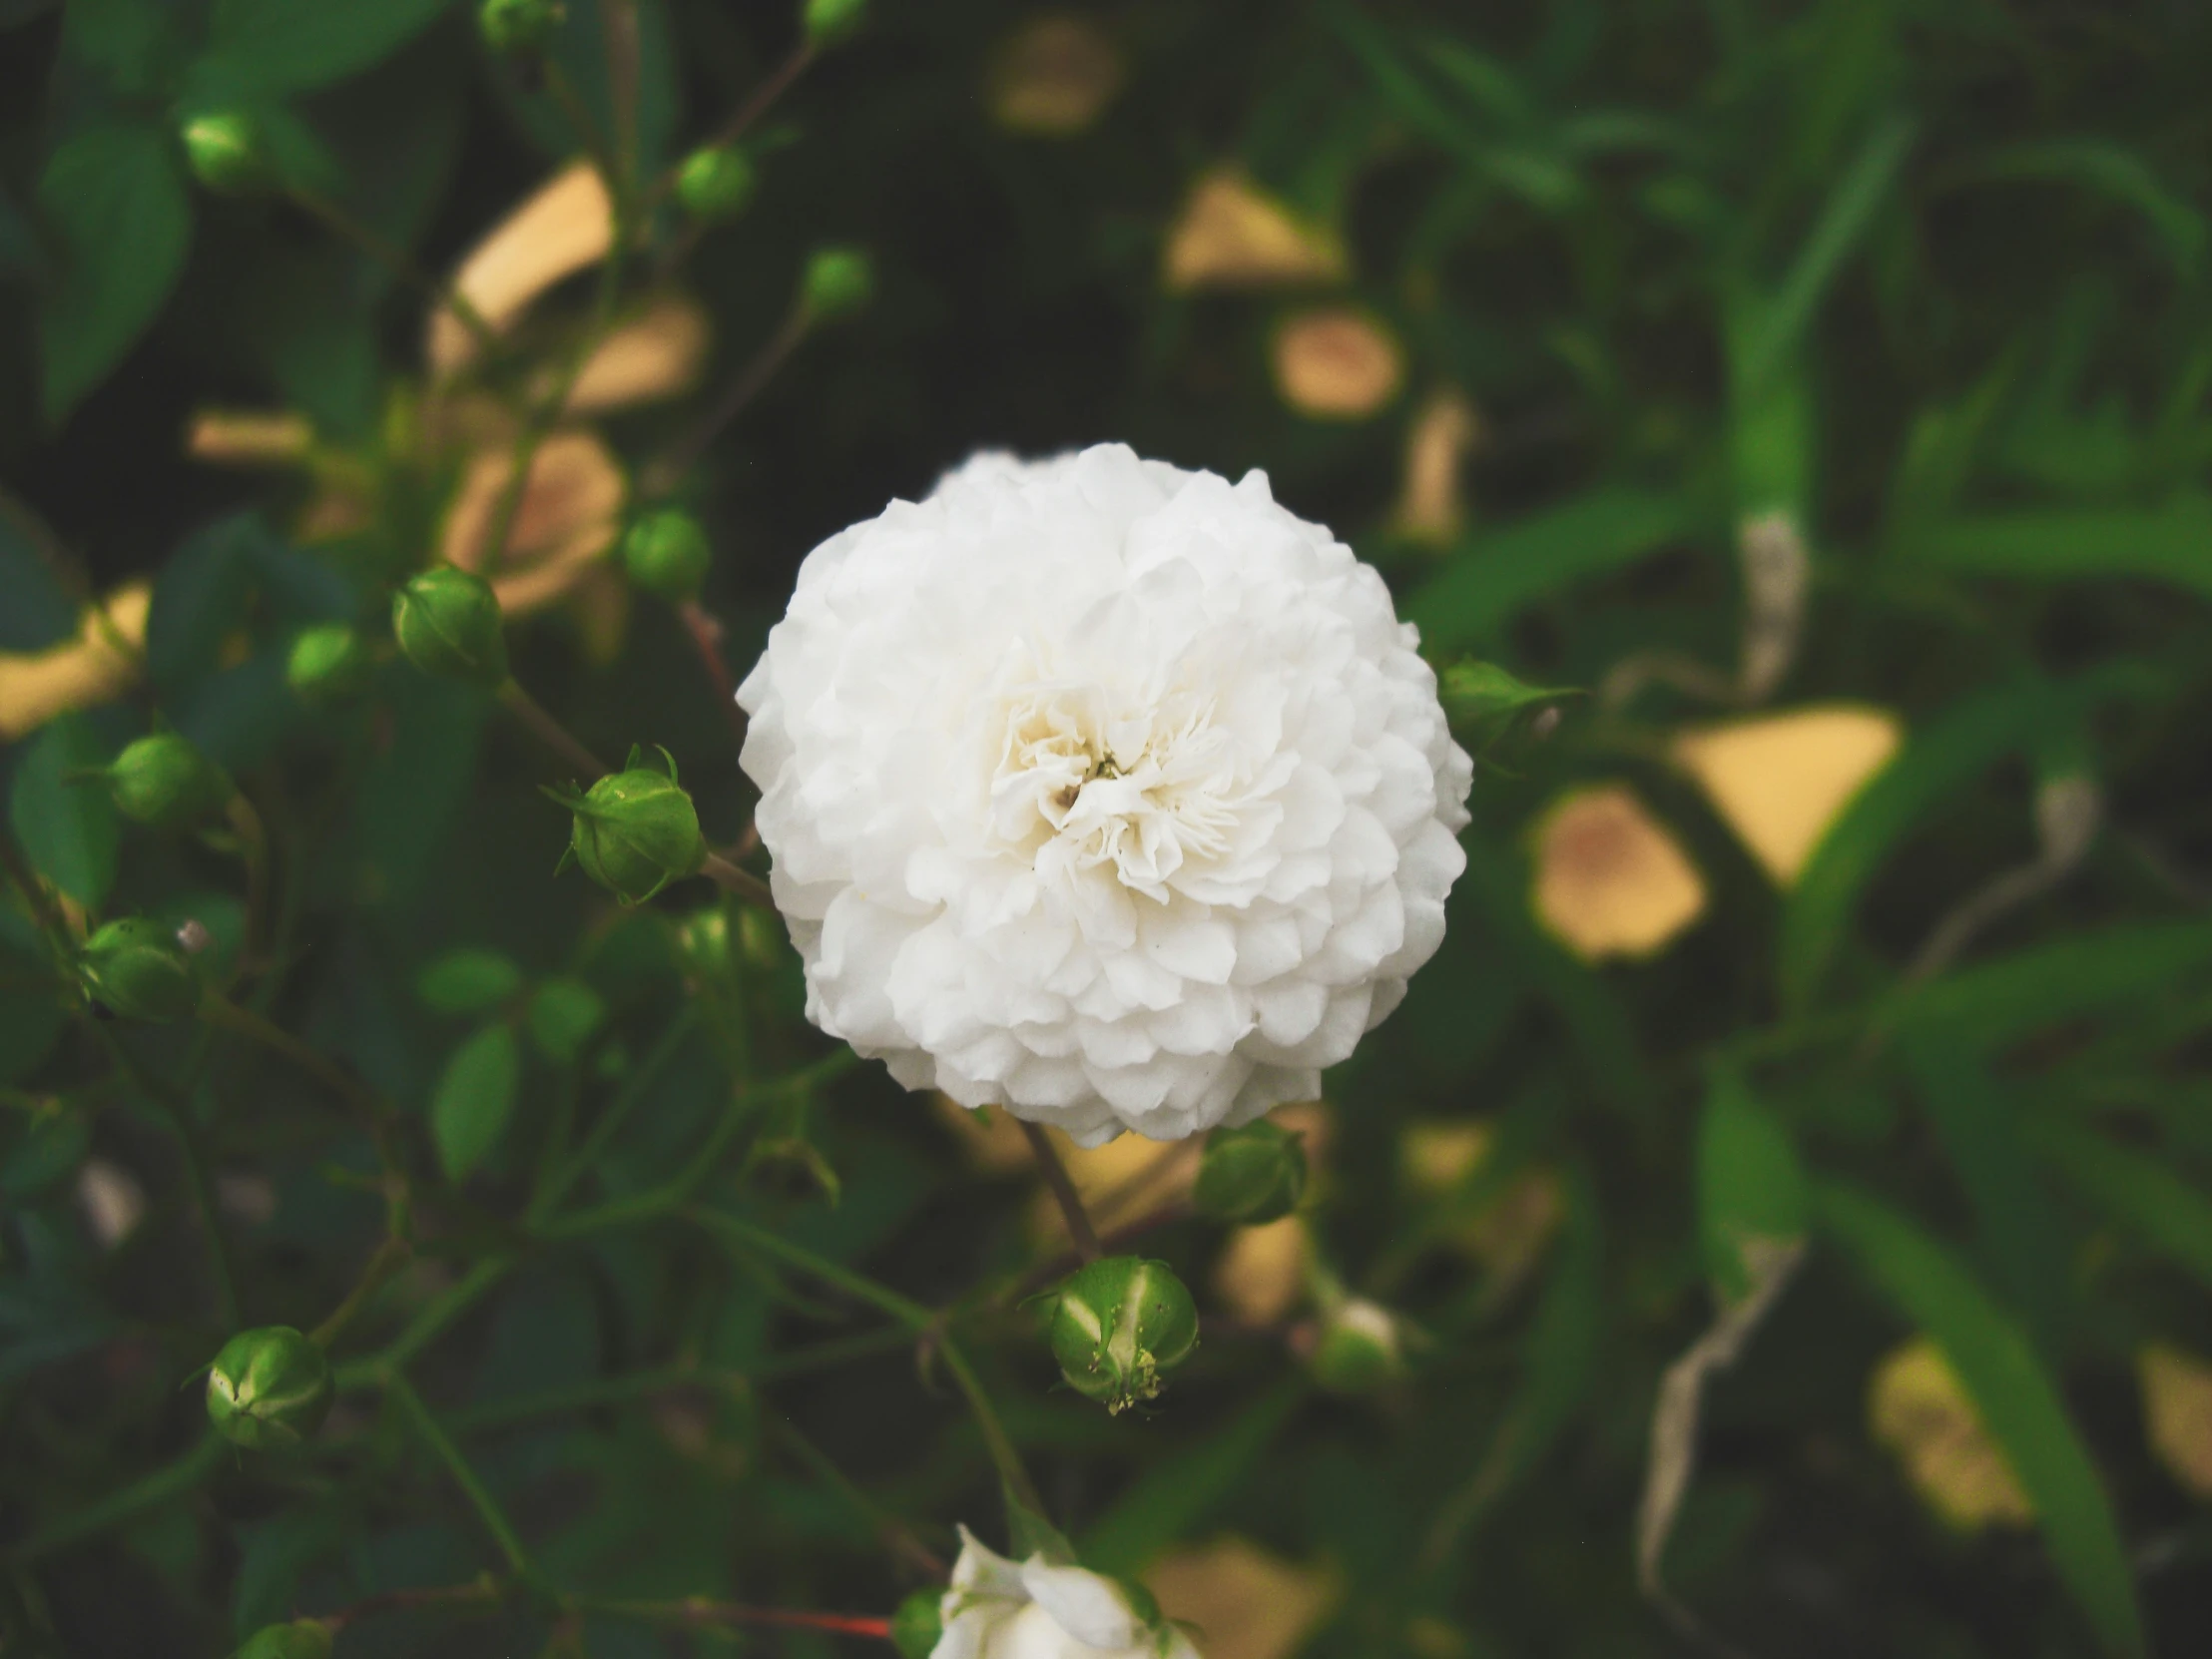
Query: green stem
column 397, row 261
column 899, row 1538
column 391, row 1256
column 618, row 1111
column 164, row 1486
column 550, row 732
column 738, row 882
column 912, row 1314
column 1056, row 1177
column 253, row 852
column 175, row 1111
column 218, row 1010
column 479, row 1496
column 430, row 1323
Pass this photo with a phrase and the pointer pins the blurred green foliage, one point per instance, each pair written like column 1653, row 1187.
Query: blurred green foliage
column 1832, row 350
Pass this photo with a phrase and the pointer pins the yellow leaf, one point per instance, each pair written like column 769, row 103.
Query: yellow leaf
column 1261, row 1274
column 101, row 662
column 1054, row 75
column 1243, row 1602
column 2178, row 1409
column 1781, row 780
column 1337, row 365
column 571, row 513
column 1439, row 439
column 1922, row 1414
column 657, row 353
column 1230, row 235
column 564, row 227
column 248, row 437
column 1609, row 881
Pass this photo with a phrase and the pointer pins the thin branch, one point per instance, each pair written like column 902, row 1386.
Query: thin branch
column 1063, row 1191
column 706, row 635
column 667, row 471
column 397, row 260
column 502, row 1531
column 551, row 732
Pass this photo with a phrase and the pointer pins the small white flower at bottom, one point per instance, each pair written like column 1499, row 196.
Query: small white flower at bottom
column 1042, row 1609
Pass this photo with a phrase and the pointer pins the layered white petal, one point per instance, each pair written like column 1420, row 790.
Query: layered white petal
column 1109, row 793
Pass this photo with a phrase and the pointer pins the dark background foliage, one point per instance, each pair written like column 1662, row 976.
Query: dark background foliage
column 1926, row 275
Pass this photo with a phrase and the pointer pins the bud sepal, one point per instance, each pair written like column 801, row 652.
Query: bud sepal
column 270, row 1387
column 1119, row 1324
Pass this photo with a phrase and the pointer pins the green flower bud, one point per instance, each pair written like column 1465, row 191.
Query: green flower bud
column 519, row 26
column 224, row 149
column 136, row 969
column 308, row 1639
column 328, row 663
column 1251, row 1174
column 837, row 280
column 827, row 21
column 1360, row 1349
column 716, row 182
column 706, row 944
column 165, row 782
column 762, row 938
column 447, row 622
column 919, row 1625
column 634, row 831
column 1118, row 1326
column 666, row 553
column 269, row 1387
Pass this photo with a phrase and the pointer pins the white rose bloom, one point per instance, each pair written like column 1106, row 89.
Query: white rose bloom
column 1107, row 793
column 1037, row 1610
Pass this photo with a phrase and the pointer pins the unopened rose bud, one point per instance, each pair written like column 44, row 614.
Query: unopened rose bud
column 827, row 21
column 1119, row 1325
column 1359, row 1347
column 328, row 663
column 704, row 942
column 666, row 553
column 519, row 26
column 716, row 182
column 634, row 831
column 269, row 1387
column 919, row 1625
column 447, row 622
column 224, row 149
column 165, row 783
column 137, row 969
column 837, row 280
column 305, row 1640
column 1251, row 1174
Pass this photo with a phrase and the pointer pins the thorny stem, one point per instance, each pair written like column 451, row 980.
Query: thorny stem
column 502, row 1531
column 1063, row 1191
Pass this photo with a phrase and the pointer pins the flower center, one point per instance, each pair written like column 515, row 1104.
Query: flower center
column 1090, row 783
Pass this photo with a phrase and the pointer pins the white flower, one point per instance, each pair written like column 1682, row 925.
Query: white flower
column 1104, row 791
column 1039, row 1609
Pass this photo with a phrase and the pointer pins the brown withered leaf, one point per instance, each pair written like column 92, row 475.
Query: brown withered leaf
column 1610, row 882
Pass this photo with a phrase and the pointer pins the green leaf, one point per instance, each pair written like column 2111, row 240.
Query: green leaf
column 36, row 611
column 1475, row 691
column 1751, row 1186
column 2172, row 543
column 1177, row 1494
column 68, row 828
column 285, row 46
column 2140, row 1192
column 565, row 1014
column 2017, row 1397
column 476, row 1097
column 1496, row 572
column 2002, row 999
column 199, row 600
column 2104, row 169
column 116, row 196
column 468, row 982
column 51, row 1146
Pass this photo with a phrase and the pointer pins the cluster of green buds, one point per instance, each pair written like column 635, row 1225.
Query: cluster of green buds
column 328, row 664
column 447, row 623
column 138, row 969
column 270, row 1387
column 1119, row 1324
column 716, row 182
column 1250, row 1175
column 635, row 831
column 301, row 1639
column 164, row 782
column 666, row 553
column 519, row 27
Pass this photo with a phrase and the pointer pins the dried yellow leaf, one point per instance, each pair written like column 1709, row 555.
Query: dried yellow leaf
column 1231, row 234
column 248, row 437
column 1438, row 441
column 1244, row 1603
column 1337, row 365
column 1920, row 1411
column 99, row 664
column 1781, row 780
column 1054, row 75
column 656, row 354
column 2177, row 1410
column 571, row 513
column 1261, row 1274
column 1610, row 882
column 564, row 227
